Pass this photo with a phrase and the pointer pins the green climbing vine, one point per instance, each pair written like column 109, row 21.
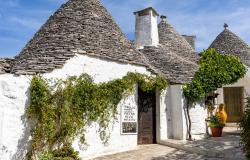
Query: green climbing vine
column 62, row 112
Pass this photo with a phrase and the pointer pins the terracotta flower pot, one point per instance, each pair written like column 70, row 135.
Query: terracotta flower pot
column 216, row 131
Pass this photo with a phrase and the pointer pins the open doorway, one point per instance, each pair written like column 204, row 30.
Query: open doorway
column 146, row 117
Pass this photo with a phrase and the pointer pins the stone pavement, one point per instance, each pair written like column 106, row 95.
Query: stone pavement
column 152, row 152
column 225, row 147
column 222, row 148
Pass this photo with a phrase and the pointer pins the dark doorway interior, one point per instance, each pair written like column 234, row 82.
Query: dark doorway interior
column 146, row 117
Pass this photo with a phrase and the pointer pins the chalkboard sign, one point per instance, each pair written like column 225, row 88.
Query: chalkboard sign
column 129, row 127
column 129, row 119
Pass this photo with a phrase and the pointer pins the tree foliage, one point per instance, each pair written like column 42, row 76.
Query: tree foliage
column 245, row 129
column 215, row 70
column 62, row 112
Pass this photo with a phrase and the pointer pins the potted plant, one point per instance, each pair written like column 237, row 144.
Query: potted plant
column 216, row 126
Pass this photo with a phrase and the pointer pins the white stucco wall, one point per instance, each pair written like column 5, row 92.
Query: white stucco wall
column 14, row 131
column 198, row 115
column 146, row 31
column 174, row 117
column 117, row 142
column 14, row 91
column 161, row 116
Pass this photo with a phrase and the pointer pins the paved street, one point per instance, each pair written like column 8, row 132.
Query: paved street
column 152, row 152
column 222, row 148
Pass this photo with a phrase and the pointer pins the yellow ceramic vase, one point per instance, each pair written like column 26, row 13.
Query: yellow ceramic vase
column 222, row 114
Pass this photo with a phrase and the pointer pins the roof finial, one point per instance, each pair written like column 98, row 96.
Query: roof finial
column 163, row 18
column 225, row 25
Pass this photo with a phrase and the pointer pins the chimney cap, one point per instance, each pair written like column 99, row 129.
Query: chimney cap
column 147, row 9
column 163, row 17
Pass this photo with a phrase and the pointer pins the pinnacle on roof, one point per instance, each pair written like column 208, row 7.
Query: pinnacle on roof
column 79, row 26
column 225, row 25
column 229, row 43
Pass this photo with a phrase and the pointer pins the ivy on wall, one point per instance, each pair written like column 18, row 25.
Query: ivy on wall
column 62, row 112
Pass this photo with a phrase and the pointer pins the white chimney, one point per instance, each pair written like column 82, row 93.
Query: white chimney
column 146, row 28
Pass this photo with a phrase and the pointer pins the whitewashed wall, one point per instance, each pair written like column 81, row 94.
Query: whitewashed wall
column 175, row 117
column 14, row 130
column 161, row 116
column 14, row 91
column 172, row 114
column 198, row 115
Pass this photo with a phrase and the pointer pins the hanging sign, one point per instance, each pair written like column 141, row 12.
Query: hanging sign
column 128, row 119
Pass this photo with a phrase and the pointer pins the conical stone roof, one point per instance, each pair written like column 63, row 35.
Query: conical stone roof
column 172, row 40
column 79, row 26
column 229, row 43
column 176, row 69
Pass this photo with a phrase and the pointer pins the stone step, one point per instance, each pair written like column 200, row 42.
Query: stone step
column 232, row 125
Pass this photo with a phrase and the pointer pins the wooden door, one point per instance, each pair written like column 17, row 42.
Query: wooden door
column 146, row 118
column 234, row 102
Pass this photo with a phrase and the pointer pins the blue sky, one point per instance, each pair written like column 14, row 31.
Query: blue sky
column 20, row 19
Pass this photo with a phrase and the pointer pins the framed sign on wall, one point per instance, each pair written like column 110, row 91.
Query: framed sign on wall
column 129, row 119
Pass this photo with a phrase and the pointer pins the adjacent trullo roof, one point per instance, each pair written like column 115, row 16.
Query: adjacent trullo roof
column 178, row 70
column 79, row 26
column 229, row 43
column 174, row 57
column 175, row 42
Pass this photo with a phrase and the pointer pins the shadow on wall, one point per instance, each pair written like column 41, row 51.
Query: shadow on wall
column 25, row 141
